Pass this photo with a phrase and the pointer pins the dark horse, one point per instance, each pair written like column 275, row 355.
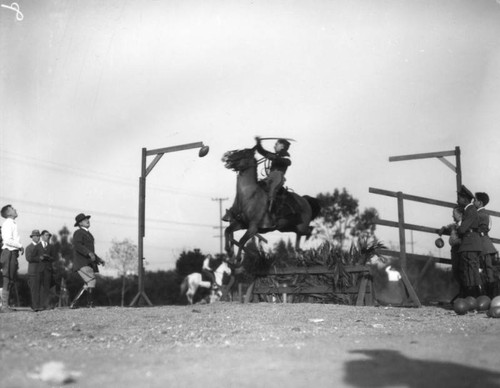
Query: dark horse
column 250, row 206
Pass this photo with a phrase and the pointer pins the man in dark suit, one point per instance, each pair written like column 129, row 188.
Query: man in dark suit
column 471, row 246
column 46, row 269
column 84, row 259
column 33, row 254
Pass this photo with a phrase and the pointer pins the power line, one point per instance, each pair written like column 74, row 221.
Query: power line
column 105, row 214
column 62, row 168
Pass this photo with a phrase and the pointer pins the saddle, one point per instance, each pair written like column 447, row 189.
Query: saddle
column 285, row 205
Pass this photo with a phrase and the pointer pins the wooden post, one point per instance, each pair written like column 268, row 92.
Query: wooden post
column 142, row 232
column 402, row 251
column 145, row 170
column 458, row 168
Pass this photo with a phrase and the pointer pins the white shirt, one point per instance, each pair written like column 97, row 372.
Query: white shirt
column 10, row 236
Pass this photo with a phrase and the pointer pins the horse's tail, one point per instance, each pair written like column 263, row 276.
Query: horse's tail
column 315, row 206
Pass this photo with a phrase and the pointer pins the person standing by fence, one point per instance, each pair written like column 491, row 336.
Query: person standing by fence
column 489, row 254
column 455, row 242
column 470, row 247
column 11, row 249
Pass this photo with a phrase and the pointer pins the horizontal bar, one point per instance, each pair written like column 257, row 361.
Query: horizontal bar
column 304, row 290
column 174, row 148
column 407, row 226
column 421, row 156
column 413, row 198
column 429, row 201
column 419, row 228
column 413, row 256
column 312, row 270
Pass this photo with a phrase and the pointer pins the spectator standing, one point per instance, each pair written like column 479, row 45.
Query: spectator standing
column 489, row 255
column 46, row 270
column 470, row 247
column 454, row 242
column 84, row 259
column 11, row 249
column 33, row 254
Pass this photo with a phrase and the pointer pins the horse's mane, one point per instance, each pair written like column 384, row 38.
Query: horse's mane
column 230, row 158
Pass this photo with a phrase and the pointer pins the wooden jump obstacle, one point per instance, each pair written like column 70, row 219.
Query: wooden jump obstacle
column 403, row 226
column 281, row 286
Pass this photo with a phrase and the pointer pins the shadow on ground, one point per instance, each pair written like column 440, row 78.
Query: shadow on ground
column 388, row 368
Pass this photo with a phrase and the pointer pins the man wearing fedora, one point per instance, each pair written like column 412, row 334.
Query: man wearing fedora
column 84, row 259
column 33, row 254
column 471, row 246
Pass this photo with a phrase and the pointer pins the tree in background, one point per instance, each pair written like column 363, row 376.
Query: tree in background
column 122, row 256
column 189, row 262
column 341, row 220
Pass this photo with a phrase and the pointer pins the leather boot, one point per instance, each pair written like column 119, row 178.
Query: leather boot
column 74, row 304
column 90, row 298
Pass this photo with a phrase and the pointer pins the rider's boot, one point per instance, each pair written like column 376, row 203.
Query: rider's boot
column 74, row 304
column 227, row 216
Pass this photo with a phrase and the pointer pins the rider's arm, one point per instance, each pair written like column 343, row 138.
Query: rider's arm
column 263, row 152
column 205, row 265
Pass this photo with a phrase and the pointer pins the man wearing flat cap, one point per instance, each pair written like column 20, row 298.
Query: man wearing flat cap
column 84, row 259
column 471, row 247
column 489, row 255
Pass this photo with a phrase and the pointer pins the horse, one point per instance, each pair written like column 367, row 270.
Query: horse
column 250, row 206
column 190, row 284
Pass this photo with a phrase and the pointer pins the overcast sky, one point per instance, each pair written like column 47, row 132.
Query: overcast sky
column 85, row 85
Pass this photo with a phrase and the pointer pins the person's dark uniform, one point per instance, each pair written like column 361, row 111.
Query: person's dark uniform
column 489, row 254
column 279, row 164
column 471, row 246
column 455, row 242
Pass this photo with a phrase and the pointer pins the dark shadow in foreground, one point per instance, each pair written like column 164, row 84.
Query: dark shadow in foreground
column 390, row 368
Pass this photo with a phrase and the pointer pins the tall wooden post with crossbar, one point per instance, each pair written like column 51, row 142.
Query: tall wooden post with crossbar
column 145, row 170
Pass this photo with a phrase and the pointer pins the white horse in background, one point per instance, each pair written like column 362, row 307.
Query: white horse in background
column 190, row 284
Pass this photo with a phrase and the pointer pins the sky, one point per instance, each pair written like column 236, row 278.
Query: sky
column 85, row 85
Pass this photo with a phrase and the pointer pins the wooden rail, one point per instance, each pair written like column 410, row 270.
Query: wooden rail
column 364, row 289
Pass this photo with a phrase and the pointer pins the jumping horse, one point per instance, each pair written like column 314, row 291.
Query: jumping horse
column 250, row 206
column 192, row 282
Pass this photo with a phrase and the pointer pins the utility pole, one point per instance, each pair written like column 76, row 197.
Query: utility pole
column 220, row 220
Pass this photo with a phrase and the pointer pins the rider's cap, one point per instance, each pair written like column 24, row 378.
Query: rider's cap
column 285, row 142
column 483, row 197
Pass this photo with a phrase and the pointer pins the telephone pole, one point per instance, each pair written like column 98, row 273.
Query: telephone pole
column 221, row 236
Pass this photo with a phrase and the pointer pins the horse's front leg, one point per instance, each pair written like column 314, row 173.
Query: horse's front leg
column 229, row 238
column 251, row 231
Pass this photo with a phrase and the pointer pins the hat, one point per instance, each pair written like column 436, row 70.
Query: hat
column 483, row 197
column 46, row 231
column 465, row 192
column 79, row 218
column 35, row 232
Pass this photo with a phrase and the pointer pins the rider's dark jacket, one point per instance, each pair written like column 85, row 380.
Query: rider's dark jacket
column 279, row 161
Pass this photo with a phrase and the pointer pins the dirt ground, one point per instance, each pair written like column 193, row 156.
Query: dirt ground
column 253, row 345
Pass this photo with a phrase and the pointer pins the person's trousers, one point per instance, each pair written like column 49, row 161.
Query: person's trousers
column 10, row 265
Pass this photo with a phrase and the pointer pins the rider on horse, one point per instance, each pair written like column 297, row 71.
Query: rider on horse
column 279, row 164
column 274, row 181
column 209, row 266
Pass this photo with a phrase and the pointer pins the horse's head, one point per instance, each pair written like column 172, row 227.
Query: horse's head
column 239, row 160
